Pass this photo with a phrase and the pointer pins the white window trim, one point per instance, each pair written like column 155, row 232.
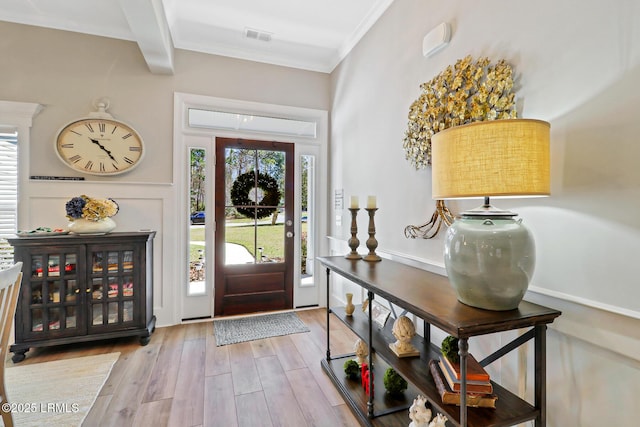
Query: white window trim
column 18, row 116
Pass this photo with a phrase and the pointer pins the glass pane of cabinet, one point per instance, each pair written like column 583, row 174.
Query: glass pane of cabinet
column 36, row 266
column 54, row 291
column 53, row 266
column 127, row 312
column 72, row 291
column 114, row 287
column 127, row 286
column 112, row 262
column 36, row 293
column 71, row 264
column 127, row 261
column 96, row 314
column 113, row 312
column 70, row 317
column 54, row 318
column 36, row 320
column 96, row 288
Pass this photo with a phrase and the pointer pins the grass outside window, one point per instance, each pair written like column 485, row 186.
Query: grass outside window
column 270, row 238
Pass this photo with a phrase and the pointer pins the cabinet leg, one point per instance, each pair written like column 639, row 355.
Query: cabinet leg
column 145, row 340
column 19, row 356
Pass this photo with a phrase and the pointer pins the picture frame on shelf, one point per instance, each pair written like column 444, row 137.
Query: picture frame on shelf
column 379, row 313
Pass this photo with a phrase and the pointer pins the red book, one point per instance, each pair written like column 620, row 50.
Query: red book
column 475, row 372
column 449, row 397
column 478, row 387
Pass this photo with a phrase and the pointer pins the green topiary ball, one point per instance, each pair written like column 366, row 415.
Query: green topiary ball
column 351, row 369
column 450, row 349
column 393, row 382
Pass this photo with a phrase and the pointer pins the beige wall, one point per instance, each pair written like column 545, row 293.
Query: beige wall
column 66, row 72
column 578, row 67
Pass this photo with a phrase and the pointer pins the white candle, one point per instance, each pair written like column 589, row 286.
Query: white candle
column 371, row 202
column 354, row 202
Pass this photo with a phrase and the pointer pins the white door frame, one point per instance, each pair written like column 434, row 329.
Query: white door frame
column 183, row 133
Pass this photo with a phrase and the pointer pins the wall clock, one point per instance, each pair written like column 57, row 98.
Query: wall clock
column 99, row 144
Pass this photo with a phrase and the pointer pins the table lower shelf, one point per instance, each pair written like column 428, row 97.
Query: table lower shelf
column 388, row 410
column 510, row 410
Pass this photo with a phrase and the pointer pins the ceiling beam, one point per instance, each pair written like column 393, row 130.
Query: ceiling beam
column 148, row 23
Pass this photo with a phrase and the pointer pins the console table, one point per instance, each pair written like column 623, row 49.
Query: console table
column 429, row 296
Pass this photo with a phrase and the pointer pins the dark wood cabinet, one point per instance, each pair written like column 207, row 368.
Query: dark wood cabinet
column 430, row 298
column 83, row 288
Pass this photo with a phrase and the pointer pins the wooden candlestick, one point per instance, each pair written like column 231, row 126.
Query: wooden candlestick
column 372, row 243
column 353, row 241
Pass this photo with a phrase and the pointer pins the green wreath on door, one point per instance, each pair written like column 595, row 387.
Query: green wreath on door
column 243, row 185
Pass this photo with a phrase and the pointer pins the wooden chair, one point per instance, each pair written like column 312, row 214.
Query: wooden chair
column 10, row 281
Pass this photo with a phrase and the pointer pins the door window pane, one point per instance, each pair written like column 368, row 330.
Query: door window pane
column 197, row 241
column 307, row 221
column 200, row 118
column 254, row 210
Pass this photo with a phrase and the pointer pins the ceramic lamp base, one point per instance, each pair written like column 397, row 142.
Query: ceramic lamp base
column 489, row 261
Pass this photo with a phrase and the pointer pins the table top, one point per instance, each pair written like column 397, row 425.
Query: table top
column 116, row 236
column 431, row 297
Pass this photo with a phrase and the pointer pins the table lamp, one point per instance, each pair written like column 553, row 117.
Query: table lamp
column 489, row 255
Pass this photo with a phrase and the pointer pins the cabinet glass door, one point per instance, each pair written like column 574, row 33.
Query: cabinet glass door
column 53, row 294
column 111, row 290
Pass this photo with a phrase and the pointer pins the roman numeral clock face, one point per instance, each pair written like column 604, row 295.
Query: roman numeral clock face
column 99, row 146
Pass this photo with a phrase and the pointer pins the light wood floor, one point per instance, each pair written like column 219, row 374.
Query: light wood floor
column 182, row 379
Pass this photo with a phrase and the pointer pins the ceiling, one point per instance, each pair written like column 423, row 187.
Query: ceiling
column 311, row 35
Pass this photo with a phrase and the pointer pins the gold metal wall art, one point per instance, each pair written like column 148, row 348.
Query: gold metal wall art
column 471, row 90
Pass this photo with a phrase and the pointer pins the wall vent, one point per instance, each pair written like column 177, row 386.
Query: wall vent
column 251, row 33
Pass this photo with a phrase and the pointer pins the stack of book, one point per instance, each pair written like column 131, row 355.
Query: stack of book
column 446, row 375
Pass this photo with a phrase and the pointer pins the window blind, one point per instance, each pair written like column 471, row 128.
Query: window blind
column 8, row 194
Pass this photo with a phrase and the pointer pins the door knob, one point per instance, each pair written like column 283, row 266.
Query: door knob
column 289, row 234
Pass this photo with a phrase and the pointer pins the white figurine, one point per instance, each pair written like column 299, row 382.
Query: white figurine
column 362, row 351
column 404, row 331
column 438, row 421
column 419, row 413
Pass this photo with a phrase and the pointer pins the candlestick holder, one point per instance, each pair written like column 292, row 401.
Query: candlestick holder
column 353, row 241
column 372, row 243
